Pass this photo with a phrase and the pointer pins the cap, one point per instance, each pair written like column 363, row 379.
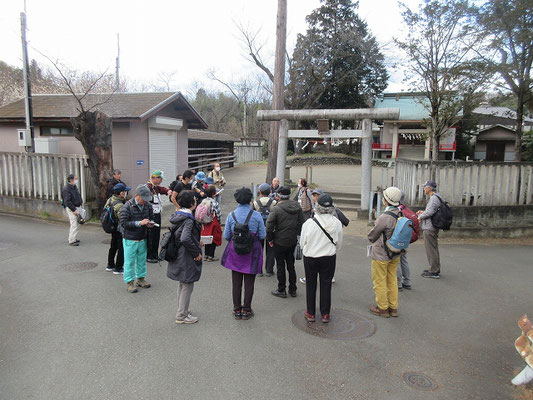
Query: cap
column 120, row 187
column 325, row 200
column 158, row 174
column 431, row 184
column 144, row 192
column 264, row 188
column 200, row 176
column 317, row 191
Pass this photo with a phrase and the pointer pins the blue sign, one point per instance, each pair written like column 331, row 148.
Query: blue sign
column 140, row 162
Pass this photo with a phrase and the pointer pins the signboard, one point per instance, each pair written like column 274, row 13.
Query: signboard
column 140, row 162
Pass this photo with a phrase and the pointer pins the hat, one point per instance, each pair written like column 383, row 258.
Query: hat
column 317, row 191
column 392, row 195
column 243, row 195
column 210, row 181
column 431, row 184
column 325, row 200
column 264, row 188
column 158, row 174
column 284, row 192
column 120, row 187
column 144, row 192
column 200, row 176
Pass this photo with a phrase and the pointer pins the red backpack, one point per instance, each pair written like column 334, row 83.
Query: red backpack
column 408, row 213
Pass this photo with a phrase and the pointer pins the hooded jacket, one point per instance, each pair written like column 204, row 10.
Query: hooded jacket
column 184, row 268
column 284, row 223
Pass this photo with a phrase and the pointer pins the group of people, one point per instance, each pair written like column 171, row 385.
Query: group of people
column 273, row 229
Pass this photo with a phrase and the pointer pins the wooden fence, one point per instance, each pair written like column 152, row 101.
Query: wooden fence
column 42, row 176
column 464, row 183
column 202, row 158
column 248, row 153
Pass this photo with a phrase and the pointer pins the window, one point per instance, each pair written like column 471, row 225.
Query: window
column 57, row 131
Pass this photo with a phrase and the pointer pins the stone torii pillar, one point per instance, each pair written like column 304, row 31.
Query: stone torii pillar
column 365, row 114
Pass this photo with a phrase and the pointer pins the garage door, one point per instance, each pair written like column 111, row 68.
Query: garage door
column 163, row 149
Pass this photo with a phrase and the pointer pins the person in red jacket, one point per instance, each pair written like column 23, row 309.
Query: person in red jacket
column 213, row 228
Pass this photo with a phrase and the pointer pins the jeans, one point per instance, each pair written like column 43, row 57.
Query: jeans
column 184, row 299
column 385, row 283
column 134, row 259
column 117, row 250
column 153, row 239
column 325, row 268
column 403, row 273
column 270, row 258
column 285, row 259
column 236, row 282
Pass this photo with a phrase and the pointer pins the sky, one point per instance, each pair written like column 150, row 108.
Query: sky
column 184, row 37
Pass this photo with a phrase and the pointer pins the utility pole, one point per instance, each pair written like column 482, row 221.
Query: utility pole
column 277, row 145
column 27, row 84
column 117, row 65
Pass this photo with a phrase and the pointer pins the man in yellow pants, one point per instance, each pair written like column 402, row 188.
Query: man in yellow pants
column 384, row 268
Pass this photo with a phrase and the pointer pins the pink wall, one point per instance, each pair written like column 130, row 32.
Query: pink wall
column 9, row 139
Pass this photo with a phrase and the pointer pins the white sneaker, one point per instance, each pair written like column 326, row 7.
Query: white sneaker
column 333, row 280
column 302, row 280
column 189, row 319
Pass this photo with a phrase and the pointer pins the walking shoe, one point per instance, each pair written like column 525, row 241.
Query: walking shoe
column 260, row 275
column 393, row 312
column 141, row 282
column 325, row 318
column 278, row 293
column 237, row 313
column 400, row 288
column 293, row 294
column 434, row 275
column 302, row 280
column 118, row 271
column 333, row 280
column 74, row 244
column 247, row 314
column 407, row 287
column 206, row 258
column 131, row 287
column 269, row 274
column 78, row 241
column 189, row 319
column 213, row 258
column 152, row 260
column 382, row 313
column 109, row 268
column 309, row 317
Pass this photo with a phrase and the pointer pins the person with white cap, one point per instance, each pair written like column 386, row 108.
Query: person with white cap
column 431, row 234
column 383, row 267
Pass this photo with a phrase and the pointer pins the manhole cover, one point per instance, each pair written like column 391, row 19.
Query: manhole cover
column 107, row 241
column 419, row 381
column 79, row 266
column 6, row 245
column 344, row 325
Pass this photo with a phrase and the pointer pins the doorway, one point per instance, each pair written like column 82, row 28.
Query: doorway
column 495, row 151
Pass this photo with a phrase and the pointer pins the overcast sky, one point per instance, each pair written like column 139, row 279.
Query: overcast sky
column 188, row 37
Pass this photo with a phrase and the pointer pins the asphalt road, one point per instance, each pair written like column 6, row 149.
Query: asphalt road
column 80, row 335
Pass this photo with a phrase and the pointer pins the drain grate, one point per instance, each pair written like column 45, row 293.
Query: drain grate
column 344, row 325
column 419, row 381
column 79, row 266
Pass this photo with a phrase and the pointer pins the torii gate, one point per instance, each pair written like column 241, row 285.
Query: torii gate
column 365, row 114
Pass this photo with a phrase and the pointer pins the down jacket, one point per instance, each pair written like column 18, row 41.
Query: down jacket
column 284, row 223
column 129, row 215
column 184, row 268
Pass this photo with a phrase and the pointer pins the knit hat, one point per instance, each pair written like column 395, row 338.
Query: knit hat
column 325, row 200
column 144, row 192
column 200, row 176
column 392, row 195
column 120, row 187
column 284, row 193
column 243, row 195
column 158, row 174
column 264, row 188
column 431, row 184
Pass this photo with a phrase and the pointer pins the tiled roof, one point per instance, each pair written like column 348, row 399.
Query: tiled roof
column 119, row 105
column 208, row 135
column 411, row 105
column 500, row 112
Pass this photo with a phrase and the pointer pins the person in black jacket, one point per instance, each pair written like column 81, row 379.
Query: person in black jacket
column 115, row 180
column 187, row 267
column 136, row 217
column 72, row 201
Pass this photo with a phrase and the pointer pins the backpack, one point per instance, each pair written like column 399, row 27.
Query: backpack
column 443, row 218
column 169, row 244
column 242, row 237
column 401, row 236
column 265, row 209
column 108, row 220
column 408, row 213
column 203, row 212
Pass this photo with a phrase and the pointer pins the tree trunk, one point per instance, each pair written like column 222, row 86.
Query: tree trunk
column 435, row 152
column 519, row 120
column 93, row 130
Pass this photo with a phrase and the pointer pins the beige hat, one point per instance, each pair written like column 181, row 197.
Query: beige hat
column 392, row 195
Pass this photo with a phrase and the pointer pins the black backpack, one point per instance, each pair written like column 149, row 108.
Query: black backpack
column 169, row 244
column 443, row 218
column 242, row 237
column 265, row 209
column 108, row 220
